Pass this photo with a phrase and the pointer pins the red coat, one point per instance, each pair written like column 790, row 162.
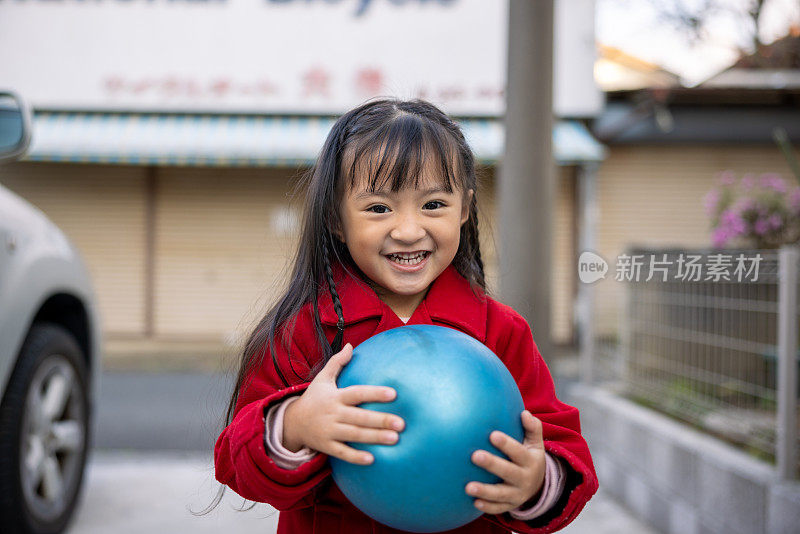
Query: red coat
column 308, row 498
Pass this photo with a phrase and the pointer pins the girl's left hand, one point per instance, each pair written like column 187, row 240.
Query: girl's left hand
column 523, row 476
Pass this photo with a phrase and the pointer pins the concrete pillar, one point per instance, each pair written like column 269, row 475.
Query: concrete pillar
column 527, row 173
column 587, row 200
column 786, row 420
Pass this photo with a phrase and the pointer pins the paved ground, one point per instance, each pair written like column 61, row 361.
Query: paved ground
column 136, row 493
column 152, row 465
column 166, row 411
column 175, row 411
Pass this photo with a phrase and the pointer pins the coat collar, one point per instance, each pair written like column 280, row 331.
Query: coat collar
column 450, row 300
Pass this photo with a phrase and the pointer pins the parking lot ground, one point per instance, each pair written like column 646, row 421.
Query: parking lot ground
column 135, row 492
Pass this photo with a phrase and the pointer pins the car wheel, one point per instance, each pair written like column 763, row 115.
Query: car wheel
column 44, row 429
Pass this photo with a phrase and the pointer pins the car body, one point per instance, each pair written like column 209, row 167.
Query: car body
column 49, row 355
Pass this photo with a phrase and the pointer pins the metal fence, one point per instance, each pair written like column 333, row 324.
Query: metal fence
column 706, row 344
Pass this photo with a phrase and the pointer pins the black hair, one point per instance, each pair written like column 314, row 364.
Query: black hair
column 393, row 138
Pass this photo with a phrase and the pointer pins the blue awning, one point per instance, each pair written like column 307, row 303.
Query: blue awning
column 240, row 140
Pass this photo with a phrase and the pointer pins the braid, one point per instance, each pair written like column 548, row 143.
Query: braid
column 336, row 346
column 478, row 258
column 475, row 245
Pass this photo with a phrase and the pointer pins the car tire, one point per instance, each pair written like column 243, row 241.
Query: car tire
column 44, row 431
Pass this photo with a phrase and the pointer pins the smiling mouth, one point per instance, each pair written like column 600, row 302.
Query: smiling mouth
column 412, row 258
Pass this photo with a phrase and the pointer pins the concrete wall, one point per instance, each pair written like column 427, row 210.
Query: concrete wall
column 222, row 238
column 678, row 479
column 652, row 196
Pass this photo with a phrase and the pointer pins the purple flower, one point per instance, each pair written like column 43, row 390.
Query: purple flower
column 730, row 225
column 744, row 205
column 720, row 236
column 748, row 182
column 773, row 181
column 761, row 226
column 727, row 178
column 794, row 200
column 731, row 220
column 761, row 209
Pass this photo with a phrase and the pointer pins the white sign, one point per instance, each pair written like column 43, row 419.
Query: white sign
column 279, row 56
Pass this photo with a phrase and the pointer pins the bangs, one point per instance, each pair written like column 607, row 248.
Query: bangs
column 399, row 153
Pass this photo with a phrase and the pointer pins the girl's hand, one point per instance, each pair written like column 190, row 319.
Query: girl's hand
column 523, row 476
column 324, row 417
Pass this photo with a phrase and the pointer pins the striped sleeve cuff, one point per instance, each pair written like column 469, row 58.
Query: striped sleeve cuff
column 273, row 439
column 554, row 481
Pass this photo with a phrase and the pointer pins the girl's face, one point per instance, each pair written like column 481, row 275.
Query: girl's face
column 403, row 240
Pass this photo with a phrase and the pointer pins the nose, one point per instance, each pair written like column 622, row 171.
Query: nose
column 408, row 229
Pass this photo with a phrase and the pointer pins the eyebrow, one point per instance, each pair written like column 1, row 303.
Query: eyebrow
column 367, row 194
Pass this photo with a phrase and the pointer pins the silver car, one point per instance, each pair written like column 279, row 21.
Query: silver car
column 49, row 355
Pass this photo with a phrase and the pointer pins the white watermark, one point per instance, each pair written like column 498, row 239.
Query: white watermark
column 665, row 267
column 591, row 267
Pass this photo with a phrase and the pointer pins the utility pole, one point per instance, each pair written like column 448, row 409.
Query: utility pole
column 526, row 181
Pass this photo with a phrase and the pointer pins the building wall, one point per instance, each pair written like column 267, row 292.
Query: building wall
column 653, row 196
column 102, row 210
column 563, row 255
column 223, row 235
column 676, row 478
column 221, row 240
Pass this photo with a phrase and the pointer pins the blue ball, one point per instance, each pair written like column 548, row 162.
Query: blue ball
column 452, row 392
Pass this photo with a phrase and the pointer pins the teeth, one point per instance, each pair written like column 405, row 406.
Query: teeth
column 408, row 259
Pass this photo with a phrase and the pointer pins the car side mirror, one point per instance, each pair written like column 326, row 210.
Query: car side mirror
column 15, row 127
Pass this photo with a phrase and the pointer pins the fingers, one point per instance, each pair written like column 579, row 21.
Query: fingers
column 377, row 434
column 493, row 494
column 533, row 430
column 518, row 453
column 491, row 507
column 371, row 419
column 522, row 469
column 354, row 395
column 348, row 454
column 335, row 364
column 501, row 467
column 360, row 434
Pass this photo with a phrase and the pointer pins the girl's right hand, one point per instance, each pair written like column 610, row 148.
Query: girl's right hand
column 324, row 417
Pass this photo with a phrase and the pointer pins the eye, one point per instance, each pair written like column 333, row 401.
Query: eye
column 378, row 207
column 436, row 204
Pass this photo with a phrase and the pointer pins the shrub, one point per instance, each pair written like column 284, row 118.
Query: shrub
column 755, row 211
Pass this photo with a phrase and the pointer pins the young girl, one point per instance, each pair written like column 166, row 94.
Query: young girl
column 390, row 237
